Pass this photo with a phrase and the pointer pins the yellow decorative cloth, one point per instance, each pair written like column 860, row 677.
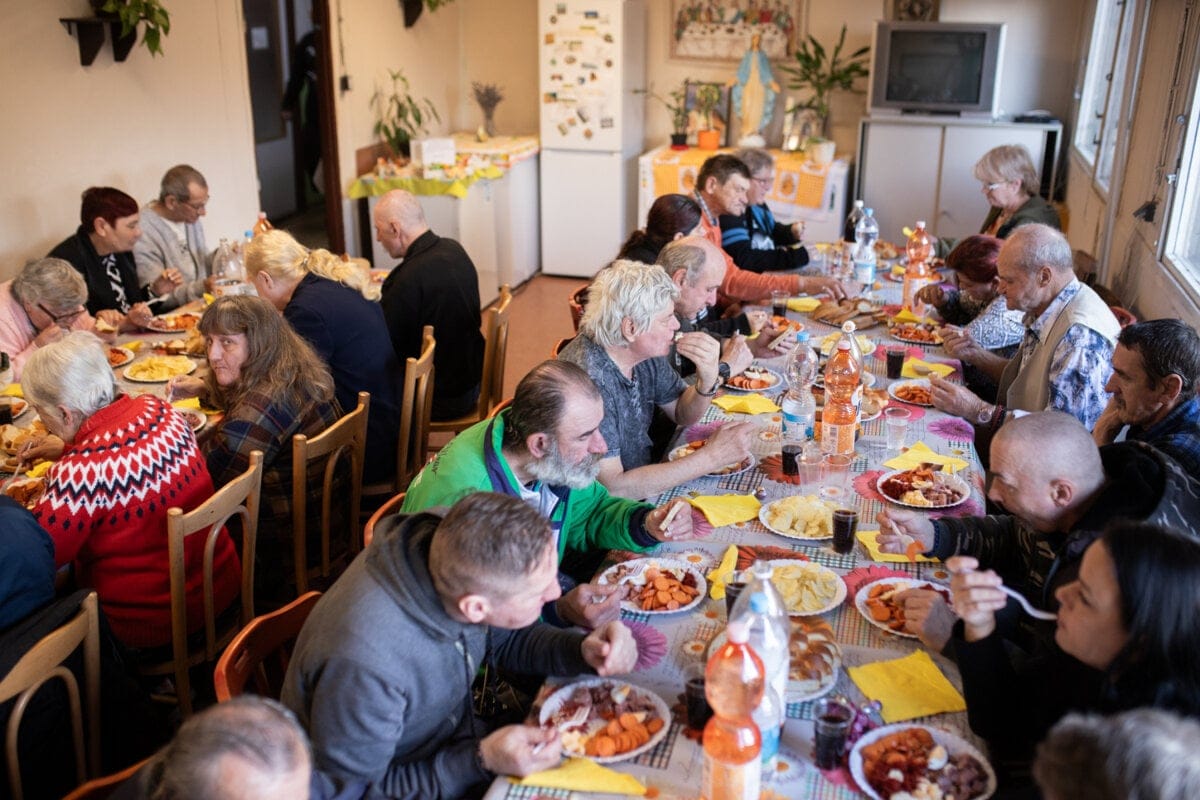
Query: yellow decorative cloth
column 716, row 578
column 745, row 404
column 12, row 390
column 937, row 367
column 867, row 538
column 908, row 687
column 920, row 454
column 803, row 305
column 369, row 186
column 584, row 775
column 726, row 509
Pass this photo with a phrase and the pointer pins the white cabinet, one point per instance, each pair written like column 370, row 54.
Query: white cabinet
column 913, row 168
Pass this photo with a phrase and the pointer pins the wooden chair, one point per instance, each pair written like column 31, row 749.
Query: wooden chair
column 259, row 654
column 390, row 507
column 43, row 663
column 491, row 383
column 576, row 301
column 100, row 788
column 416, row 403
column 347, row 436
column 239, row 497
column 558, row 348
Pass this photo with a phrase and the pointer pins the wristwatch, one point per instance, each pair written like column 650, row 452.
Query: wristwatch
column 984, row 414
column 723, row 371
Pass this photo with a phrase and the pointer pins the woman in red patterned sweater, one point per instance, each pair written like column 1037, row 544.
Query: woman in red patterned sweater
column 127, row 460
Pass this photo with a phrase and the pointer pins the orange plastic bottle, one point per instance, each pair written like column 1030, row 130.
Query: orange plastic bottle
column 917, row 273
column 262, row 225
column 842, row 389
column 733, row 683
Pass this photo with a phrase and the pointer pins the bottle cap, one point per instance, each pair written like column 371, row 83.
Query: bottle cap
column 802, row 336
column 858, row 203
column 737, row 633
column 758, row 603
column 920, row 223
column 870, row 212
column 849, row 327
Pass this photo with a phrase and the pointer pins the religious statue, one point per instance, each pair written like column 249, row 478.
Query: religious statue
column 754, row 92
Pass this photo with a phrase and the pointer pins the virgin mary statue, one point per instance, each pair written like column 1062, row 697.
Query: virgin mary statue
column 754, row 94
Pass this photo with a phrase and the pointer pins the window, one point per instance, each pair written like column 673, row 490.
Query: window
column 1183, row 233
column 1103, row 85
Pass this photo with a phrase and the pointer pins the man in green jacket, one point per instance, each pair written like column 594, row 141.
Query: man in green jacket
column 546, row 449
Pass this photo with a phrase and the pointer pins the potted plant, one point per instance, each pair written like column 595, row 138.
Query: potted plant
column 708, row 95
column 399, row 116
column 677, row 107
column 150, row 14
column 821, row 73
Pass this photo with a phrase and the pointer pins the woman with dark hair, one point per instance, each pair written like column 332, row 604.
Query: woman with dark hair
column 102, row 250
column 1128, row 636
column 671, row 217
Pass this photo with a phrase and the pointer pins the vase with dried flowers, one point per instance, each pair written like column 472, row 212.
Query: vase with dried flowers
column 488, row 95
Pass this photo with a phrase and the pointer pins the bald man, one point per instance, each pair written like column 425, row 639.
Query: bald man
column 1059, row 490
column 435, row 284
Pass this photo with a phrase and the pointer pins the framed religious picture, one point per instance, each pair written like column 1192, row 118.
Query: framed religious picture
column 720, row 30
column 912, row 10
column 707, row 106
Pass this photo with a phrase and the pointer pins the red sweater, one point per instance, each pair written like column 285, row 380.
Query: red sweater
column 106, row 505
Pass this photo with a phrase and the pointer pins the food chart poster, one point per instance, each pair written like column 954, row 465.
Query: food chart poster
column 581, row 74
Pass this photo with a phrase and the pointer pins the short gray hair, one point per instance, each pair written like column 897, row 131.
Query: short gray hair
column 627, row 289
column 1144, row 754
column 679, row 255
column 402, row 208
column 176, row 181
column 1033, row 246
column 1008, row 162
column 255, row 730
column 755, row 159
column 72, row 372
column 52, row 282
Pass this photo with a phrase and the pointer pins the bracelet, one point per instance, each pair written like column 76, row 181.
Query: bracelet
column 711, row 392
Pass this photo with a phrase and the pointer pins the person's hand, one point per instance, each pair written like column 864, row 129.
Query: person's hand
column 760, row 346
column 960, row 344
column 111, row 317
column 703, row 351
column 610, row 649
column 730, row 444
column 798, row 230
column 976, row 597
column 42, row 448
column 927, row 616
column 520, row 750
column 932, row 294
column 736, row 353
column 953, row 398
column 590, row 605
column 1108, row 424
column 899, row 528
column 678, row 529
column 139, row 316
column 821, row 284
column 183, row 387
column 757, row 320
column 48, row 336
column 168, row 280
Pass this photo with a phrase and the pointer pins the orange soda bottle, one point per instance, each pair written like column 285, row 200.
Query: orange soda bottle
column 842, row 391
column 733, row 683
column 917, row 273
column 262, row 224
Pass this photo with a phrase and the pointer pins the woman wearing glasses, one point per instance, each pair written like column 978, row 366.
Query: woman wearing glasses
column 37, row 307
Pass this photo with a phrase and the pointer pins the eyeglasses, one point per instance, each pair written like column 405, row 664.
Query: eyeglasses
column 61, row 319
column 194, row 205
column 764, row 181
column 991, row 187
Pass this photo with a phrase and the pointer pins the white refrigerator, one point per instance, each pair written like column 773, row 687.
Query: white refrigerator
column 592, row 55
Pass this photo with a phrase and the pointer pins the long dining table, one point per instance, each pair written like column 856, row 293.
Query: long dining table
column 670, row 643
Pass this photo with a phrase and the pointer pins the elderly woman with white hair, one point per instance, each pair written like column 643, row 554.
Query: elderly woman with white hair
column 624, row 338
column 126, row 461
column 46, row 299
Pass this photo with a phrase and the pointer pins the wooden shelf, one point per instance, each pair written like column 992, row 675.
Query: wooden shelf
column 90, row 33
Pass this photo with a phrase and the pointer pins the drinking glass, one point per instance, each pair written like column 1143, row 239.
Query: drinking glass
column 779, row 301
column 831, row 724
column 835, row 476
column 896, row 424
column 695, row 700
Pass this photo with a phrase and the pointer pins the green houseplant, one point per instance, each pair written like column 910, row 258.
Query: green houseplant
column 677, row 108
column 400, row 117
column 821, row 73
column 152, row 15
column 708, row 95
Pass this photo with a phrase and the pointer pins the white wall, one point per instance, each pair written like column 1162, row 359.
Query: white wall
column 67, row 127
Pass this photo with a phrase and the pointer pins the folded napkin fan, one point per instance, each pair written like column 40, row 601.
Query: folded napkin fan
column 584, row 775
column 908, row 687
column 940, row 368
column 867, row 538
column 716, row 578
column 191, row 402
column 907, row 316
column 745, row 404
column 803, row 305
column 39, row 470
column 919, row 454
column 726, row 509
column 12, row 390
column 133, row 346
column 830, row 342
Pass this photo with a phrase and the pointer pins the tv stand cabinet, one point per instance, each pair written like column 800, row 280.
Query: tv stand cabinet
column 921, row 167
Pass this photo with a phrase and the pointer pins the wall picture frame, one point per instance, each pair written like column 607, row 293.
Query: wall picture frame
column 720, row 30
column 720, row 115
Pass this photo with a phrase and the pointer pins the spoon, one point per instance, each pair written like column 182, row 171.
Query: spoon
column 1030, row 610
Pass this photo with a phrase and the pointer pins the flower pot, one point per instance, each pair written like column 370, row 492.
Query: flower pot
column 708, row 139
column 679, row 141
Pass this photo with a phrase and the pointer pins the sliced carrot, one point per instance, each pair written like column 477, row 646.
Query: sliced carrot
column 914, row 550
column 628, row 720
column 613, row 728
column 605, row 746
column 654, row 725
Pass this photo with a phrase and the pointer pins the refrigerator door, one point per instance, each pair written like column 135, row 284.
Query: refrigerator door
column 587, row 209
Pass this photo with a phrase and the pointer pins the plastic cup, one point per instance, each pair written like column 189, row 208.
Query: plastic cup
column 895, row 361
column 895, row 422
column 735, row 582
column 845, row 525
column 831, row 723
column 779, row 301
column 835, row 476
column 808, row 464
column 695, row 700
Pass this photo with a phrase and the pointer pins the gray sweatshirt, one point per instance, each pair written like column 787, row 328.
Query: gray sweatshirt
column 159, row 249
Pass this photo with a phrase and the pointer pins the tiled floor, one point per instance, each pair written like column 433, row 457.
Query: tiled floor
column 540, row 318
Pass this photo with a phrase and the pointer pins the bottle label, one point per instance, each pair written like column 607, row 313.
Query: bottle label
column 722, row 781
column 837, row 437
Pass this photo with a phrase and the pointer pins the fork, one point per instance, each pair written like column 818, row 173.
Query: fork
column 580, row 715
column 1029, row 609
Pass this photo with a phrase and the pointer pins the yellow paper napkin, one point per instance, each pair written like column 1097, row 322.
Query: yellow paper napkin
column 191, row 402
column 40, row 470
column 907, row 316
column 920, row 454
column 745, row 404
column 12, row 390
column 867, row 538
column 134, row 345
column 726, row 509
column 716, row 578
column 208, row 299
column 584, row 775
column 937, row 367
column 898, row 270
column 908, row 687
column 830, row 341
column 803, row 305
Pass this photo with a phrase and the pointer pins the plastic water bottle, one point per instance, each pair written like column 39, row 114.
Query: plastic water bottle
column 850, row 227
column 799, row 406
column 223, row 261
column 733, row 683
column 866, row 233
column 917, row 273
column 761, row 608
column 769, row 719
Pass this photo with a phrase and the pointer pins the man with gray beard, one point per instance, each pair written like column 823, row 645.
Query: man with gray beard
column 546, row 448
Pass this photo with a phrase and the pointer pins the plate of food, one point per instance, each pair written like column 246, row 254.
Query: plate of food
column 157, row 369
column 807, row 588
column 873, row 403
column 173, row 323
column 17, row 407
column 915, row 332
column 862, row 312
column 916, row 392
column 195, row 419
column 924, row 487
column 784, row 324
column 656, row 585
column 754, row 378
column 730, row 469
column 886, row 251
column 806, row 518
column 876, row 602
column 917, row 760
column 815, row 659
column 606, row 720
column 26, row 491
column 119, row 356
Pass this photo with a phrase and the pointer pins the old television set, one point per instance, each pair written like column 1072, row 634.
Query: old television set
column 936, row 68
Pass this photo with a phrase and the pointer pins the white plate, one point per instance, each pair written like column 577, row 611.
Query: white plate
column 127, row 355
column 894, row 332
column 640, row 565
column 195, row 419
column 768, row 374
column 955, row 481
column 762, row 517
column 860, row 600
column 733, row 469
column 919, row 382
column 839, row 594
column 166, row 323
column 953, row 743
column 554, row 701
column 18, row 406
column 191, row 368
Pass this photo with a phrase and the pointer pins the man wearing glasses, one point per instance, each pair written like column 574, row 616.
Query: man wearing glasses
column 754, row 239
column 172, row 242
column 37, row 307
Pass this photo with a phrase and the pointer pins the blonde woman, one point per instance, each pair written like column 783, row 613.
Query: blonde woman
column 334, row 306
column 1010, row 184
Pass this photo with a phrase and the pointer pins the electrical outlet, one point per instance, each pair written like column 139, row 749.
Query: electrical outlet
column 344, row 83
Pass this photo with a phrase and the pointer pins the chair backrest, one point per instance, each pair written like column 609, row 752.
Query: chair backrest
column 390, row 507
column 495, row 352
column 100, row 788
column 415, row 407
column 43, row 663
column 576, row 301
column 558, row 348
column 346, row 437
column 259, row 654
